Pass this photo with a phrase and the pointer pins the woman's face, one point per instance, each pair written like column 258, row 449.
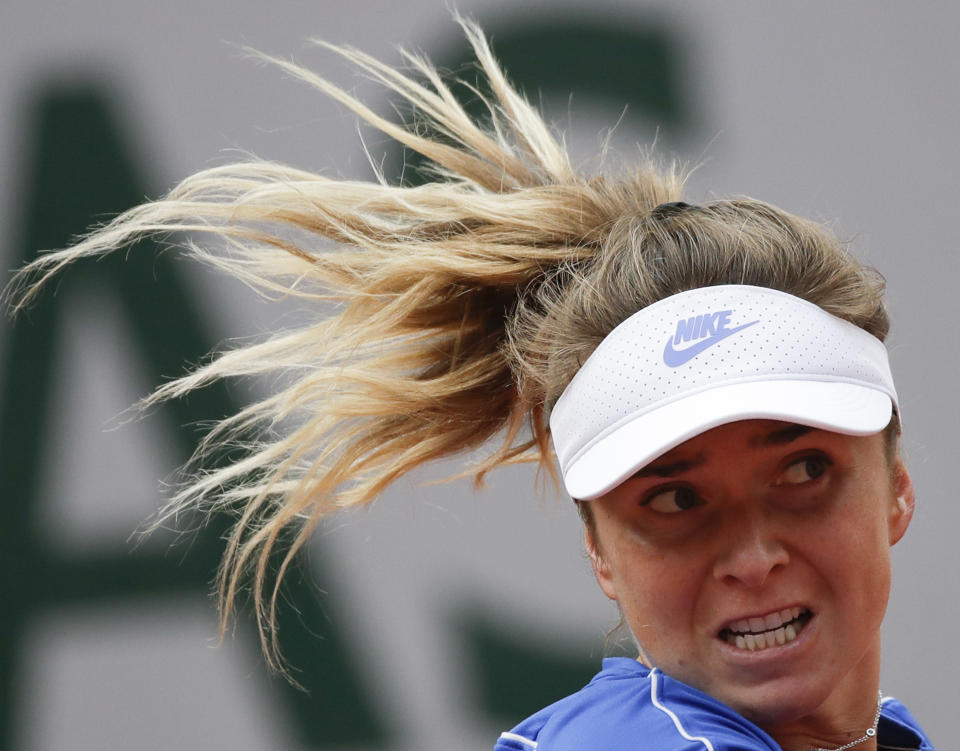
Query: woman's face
column 752, row 562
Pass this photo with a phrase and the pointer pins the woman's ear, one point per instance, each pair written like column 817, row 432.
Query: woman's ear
column 902, row 510
column 600, row 569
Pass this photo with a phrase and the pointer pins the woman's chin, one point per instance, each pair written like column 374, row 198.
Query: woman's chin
column 776, row 703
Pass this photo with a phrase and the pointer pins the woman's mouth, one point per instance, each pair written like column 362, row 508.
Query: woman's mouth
column 763, row 632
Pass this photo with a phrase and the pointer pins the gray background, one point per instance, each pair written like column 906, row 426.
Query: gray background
column 845, row 112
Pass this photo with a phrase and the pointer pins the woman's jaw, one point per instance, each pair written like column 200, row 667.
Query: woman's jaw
column 781, row 688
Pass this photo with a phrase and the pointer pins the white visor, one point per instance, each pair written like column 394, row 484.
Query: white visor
column 707, row 357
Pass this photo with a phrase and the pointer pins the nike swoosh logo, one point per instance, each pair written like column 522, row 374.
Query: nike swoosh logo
column 674, row 358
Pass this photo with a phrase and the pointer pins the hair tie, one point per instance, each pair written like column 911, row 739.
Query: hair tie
column 670, row 208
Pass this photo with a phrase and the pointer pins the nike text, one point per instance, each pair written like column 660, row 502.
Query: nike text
column 708, row 324
column 704, row 331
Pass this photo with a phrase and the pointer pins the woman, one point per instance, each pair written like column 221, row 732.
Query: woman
column 739, row 502
column 711, row 378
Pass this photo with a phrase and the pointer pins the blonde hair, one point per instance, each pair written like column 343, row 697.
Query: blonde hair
column 460, row 308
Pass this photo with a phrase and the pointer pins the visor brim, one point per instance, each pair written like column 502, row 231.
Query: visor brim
column 849, row 408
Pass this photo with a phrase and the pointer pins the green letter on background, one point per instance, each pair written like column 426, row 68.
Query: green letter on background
column 79, row 171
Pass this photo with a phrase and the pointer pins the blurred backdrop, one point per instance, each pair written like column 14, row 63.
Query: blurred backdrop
column 442, row 615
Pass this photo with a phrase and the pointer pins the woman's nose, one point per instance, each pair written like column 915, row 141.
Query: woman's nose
column 750, row 551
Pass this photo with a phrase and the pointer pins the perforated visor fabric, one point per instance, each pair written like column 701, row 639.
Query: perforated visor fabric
column 706, row 357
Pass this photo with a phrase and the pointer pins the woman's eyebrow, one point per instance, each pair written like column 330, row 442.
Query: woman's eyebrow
column 777, row 437
column 671, row 468
column 781, row 436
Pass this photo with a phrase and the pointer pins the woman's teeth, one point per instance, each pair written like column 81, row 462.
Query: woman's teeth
column 775, row 629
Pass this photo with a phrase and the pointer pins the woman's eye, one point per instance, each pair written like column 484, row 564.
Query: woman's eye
column 672, row 501
column 805, row 470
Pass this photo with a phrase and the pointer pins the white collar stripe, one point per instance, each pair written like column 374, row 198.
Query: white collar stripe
column 654, row 691
column 519, row 738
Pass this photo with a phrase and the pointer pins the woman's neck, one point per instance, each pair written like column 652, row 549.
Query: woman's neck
column 851, row 709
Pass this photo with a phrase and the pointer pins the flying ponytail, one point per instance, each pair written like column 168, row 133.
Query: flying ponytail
column 450, row 314
column 420, row 357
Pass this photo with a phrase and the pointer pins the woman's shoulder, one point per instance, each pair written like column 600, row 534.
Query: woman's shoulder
column 628, row 706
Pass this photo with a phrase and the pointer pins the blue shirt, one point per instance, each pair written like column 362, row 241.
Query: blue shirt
column 629, row 707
